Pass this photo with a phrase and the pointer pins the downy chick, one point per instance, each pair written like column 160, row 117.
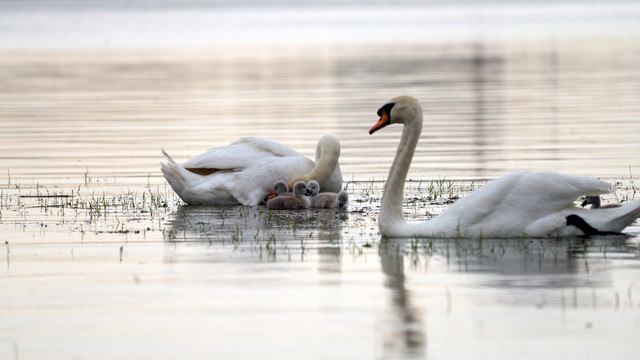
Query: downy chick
column 298, row 200
column 326, row 200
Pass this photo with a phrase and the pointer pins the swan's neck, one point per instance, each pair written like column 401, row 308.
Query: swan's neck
column 391, row 207
column 327, row 154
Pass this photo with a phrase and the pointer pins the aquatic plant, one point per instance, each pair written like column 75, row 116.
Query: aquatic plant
column 100, row 213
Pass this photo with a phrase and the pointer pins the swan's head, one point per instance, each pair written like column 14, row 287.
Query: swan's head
column 399, row 110
column 313, row 188
column 343, row 199
column 300, row 188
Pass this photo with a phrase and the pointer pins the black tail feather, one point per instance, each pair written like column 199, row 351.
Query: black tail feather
column 587, row 229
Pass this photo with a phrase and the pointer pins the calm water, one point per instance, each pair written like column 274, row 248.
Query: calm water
column 102, row 261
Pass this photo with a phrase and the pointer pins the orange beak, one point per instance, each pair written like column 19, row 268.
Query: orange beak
column 384, row 121
column 271, row 196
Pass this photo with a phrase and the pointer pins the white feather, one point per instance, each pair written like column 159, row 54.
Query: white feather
column 245, row 172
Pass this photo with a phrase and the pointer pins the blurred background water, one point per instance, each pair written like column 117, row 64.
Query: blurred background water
column 505, row 86
column 90, row 91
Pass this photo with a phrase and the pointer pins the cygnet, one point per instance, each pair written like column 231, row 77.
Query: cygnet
column 299, row 200
column 326, row 200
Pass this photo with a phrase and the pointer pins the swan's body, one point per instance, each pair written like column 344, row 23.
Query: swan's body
column 519, row 204
column 244, row 171
column 326, row 200
column 299, row 200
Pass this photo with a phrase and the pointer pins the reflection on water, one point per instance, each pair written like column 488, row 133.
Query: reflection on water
column 317, row 280
column 421, row 277
column 274, row 235
column 405, row 336
column 260, row 235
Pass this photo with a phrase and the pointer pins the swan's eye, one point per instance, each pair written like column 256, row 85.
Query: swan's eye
column 386, row 108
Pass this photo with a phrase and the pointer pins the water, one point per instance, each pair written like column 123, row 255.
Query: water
column 98, row 250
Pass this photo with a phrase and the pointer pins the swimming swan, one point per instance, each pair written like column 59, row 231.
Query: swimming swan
column 326, row 200
column 244, row 171
column 299, row 200
column 518, row 204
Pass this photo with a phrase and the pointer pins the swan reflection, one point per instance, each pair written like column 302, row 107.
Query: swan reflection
column 250, row 233
column 404, row 334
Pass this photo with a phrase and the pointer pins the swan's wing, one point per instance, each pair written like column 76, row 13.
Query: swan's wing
column 243, row 153
column 243, row 171
column 549, row 191
column 523, row 197
column 268, row 146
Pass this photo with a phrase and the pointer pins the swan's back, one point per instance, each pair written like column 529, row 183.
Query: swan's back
column 506, row 206
column 243, row 153
column 239, row 173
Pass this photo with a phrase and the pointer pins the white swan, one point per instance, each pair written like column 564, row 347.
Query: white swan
column 299, row 200
column 244, row 171
column 519, row 204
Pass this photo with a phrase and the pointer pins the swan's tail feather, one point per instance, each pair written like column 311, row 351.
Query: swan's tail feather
column 176, row 175
column 621, row 217
column 172, row 166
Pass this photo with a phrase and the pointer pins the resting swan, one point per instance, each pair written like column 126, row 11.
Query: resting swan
column 244, row 171
column 518, row 204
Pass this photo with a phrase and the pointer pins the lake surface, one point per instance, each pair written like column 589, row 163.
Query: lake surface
column 102, row 261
